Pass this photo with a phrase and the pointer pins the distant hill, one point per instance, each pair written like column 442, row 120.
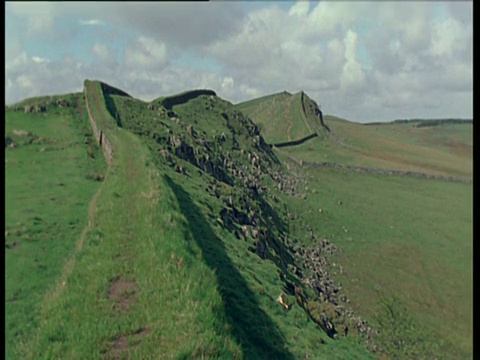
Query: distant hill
column 425, row 122
column 286, row 117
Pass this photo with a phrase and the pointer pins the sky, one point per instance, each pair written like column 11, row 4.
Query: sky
column 362, row 61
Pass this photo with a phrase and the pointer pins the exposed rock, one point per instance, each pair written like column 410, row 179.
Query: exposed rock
column 282, row 300
column 62, row 103
column 191, row 131
column 39, row 108
column 8, row 141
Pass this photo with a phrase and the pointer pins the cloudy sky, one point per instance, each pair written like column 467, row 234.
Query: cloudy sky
column 363, row 61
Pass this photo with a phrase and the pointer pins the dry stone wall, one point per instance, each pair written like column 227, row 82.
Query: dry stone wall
column 99, row 134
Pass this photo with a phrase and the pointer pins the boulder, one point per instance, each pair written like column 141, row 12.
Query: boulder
column 39, row 108
column 62, row 103
column 191, row 131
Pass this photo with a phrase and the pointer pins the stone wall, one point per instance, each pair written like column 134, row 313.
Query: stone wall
column 295, row 142
column 99, row 134
column 381, row 171
column 171, row 101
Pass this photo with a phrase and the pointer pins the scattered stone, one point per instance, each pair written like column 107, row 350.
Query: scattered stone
column 282, row 300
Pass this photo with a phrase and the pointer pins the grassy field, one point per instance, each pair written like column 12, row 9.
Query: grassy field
column 279, row 117
column 140, row 265
column 441, row 150
column 135, row 288
column 151, row 275
column 49, row 180
column 405, row 243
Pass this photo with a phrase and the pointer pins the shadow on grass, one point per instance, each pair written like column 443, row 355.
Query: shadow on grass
column 252, row 328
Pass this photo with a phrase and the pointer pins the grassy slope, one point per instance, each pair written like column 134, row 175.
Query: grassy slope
column 406, row 239
column 407, row 248
column 48, row 188
column 279, row 116
column 137, row 237
column 441, row 150
column 190, row 288
column 134, row 237
column 247, row 284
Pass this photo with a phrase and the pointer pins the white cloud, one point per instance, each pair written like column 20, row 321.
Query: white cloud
column 447, row 37
column 38, row 24
column 227, row 83
column 360, row 60
column 300, row 9
column 24, row 81
column 146, row 53
column 101, row 52
column 39, row 60
column 91, row 22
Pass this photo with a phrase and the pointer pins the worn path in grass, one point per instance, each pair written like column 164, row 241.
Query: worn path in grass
column 48, row 191
column 134, row 288
column 53, row 295
column 129, row 172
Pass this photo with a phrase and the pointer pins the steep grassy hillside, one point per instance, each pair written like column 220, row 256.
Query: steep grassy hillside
column 284, row 117
column 405, row 242
column 229, row 169
column 184, row 251
column 423, row 146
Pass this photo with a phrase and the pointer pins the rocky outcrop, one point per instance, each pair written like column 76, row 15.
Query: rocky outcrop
column 62, row 103
column 38, row 108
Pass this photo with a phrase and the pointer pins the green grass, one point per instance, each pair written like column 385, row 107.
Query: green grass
column 408, row 242
column 192, row 298
column 247, row 284
column 249, row 287
column 440, row 150
column 138, row 266
column 47, row 194
column 136, row 236
column 279, row 117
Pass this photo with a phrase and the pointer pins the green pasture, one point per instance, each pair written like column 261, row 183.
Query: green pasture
column 440, row 150
column 401, row 241
column 131, row 261
column 49, row 180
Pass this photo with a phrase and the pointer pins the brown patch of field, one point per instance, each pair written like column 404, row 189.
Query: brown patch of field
column 460, row 148
column 122, row 292
column 121, row 344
